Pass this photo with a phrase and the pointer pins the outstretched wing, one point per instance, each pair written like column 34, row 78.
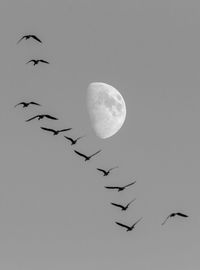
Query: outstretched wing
column 36, row 38
column 50, row 117
column 43, row 61
column 70, row 139
column 95, row 153
column 80, row 154
column 34, row 103
column 32, row 118
column 136, row 222
column 80, row 137
column 122, row 225
column 109, row 187
column 130, row 184
column 66, row 129
column 130, row 202
column 113, row 168
column 181, row 214
column 21, row 103
column 101, row 170
column 165, row 220
column 48, row 129
column 30, row 61
column 20, row 39
column 117, row 205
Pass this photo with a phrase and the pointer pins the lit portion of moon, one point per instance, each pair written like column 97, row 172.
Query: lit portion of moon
column 106, row 108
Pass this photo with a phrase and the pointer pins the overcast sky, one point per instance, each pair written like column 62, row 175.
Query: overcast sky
column 54, row 210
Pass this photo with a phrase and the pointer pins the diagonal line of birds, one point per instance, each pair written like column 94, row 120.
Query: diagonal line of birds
column 73, row 141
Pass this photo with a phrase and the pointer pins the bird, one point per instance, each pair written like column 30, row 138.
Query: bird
column 128, row 228
column 173, row 215
column 120, row 188
column 55, row 132
column 123, row 208
column 41, row 116
column 87, row 157
column 29, row 36
column 36, row 61
column 26, row 104
column 73, row 141
column 105, row 173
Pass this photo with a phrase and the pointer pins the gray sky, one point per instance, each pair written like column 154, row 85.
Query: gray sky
column 55, row 212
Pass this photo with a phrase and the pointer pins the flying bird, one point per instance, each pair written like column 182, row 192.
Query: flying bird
column 128, row 228
column 36, row 61
column 29, row 36
column 123, row 208
column 41, row 116
column 55, row 132
column 26, row 104
column 173, row 215
column 105, row 173
column 120, row 188
column 73, row 141
column 86, row 157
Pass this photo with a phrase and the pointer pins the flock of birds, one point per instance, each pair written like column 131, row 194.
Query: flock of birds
column 74, row 141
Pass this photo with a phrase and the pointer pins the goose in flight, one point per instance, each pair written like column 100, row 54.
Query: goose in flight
column 123, row 208
column 86, row 157
column 128, row 228
column 105, row 173
column 73, row 141
column 55, row 132
column 29, row 36
column 26, row 104
column 120, row 188
column 173, row 215
column 36, row 61
column 41, row 116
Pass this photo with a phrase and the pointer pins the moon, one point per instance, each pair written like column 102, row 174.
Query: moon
column 106, row 108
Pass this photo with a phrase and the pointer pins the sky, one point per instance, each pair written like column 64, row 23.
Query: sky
column 54, row 210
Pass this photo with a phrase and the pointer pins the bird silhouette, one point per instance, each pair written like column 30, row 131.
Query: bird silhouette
column 73, row 141
column 41, row 116
column 123, row 208
column 36, row 61
column 28, row 37
column 26, row 104
column 55, row 132
column 120, row 188
column 173, row 215
column 87, row 157
column 128, row 228
column 105, row 173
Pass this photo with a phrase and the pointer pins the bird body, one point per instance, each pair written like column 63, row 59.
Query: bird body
column 173, row 215
column 123, row 208
column 105, row 173
column 86, row 157
column 55, row 132
column 73, row 141
column 26, row 104
column 28, row 37
column 36, row 61
column 128, row 228
column 120, row 188
column 41, row 116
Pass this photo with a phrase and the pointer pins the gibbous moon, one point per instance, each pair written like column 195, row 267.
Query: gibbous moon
column 106, row 108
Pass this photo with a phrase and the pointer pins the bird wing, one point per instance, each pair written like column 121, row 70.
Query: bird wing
column 118, row 205
column 101, row 170
column 36, row 38
column 181, row 214
column 95, row 153
column 136, row 222
column 43, row 61
column 30, row 61
column 19, row 104
column 109, row 187
column 130, row 184
column 20, row 39
column 165, row 220
column 68, row 138
column 113, row 168
column 35, row 103
column 66, row 129
column 50, row 117
column 48, row 129
column 80, row 154
column 122, row 225
column 80, row 138
column 130, row 202
column 32, row 118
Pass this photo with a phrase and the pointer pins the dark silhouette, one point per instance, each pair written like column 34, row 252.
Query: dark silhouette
column 128, row 228
column 173, row 215
column 30, row 36
column 41, row 116
column 86, row 157
column 123, row 208
column 73, row 141
column 120, row 188
column 55, row 132
column 26, row 104
column 105, row 173
column 36, row 61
